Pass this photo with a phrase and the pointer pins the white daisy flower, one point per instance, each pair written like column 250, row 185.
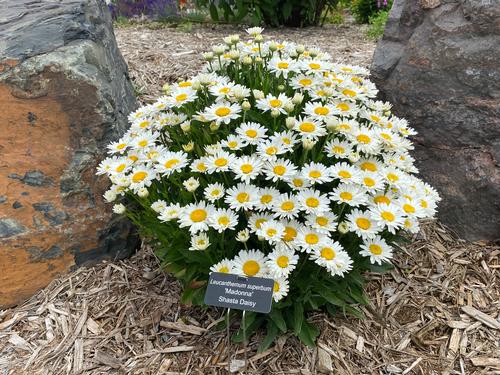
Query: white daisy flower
column 195, row 216
column 144, row 140
column 366, row 141
column 323, row 223
column 281, row 67
column 303, row 82
column 411, row 225
column 309, row 239
column 141, row 176
column 246, row 168
column 350, row 194
column 315, row 66
column 336, row 148
column 199, row 242
column 285, row 139
column 170, row 162
column 223, row 219
column 410, row 207
column 224, row 266
column 256, row 221
column 297, row 182
column 199, row 165
column 286, row 206
column 307, row 127
column 345, row 108
column 318, row 111
column 222, row 112
column 158, row 206
column 234, row 143
column 181, row 96
column 242, row 196
column 170, row 212
column 312, row 201
column 251, row 132
column 371, row 182
column 273, row 103
column 191, row 184
column 280, row 170
column 221, row 90
column 280, row 289
column 370, row 165
column 362, row 224
column 316, row 173
column 272, row 231
column 267, row 198
column 250, row 263
column 119, row 209
column 377, row 249
column 281, row 261
column 395, row 177
column 214, row 192
column 243, row 236
column 345, row 172
column 331, row 255
column 219, row 162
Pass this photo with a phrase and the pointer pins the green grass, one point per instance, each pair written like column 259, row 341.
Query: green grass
column 377, row 24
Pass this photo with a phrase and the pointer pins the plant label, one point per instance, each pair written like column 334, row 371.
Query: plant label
column 240, row 292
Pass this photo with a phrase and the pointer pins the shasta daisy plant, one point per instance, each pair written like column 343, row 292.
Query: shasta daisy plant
column 276, row 162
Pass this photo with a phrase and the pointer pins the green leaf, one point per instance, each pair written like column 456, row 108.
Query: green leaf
column 298, row 317
column 331, row 297
column 213, row 12
column 277, row 318
column 272, row 332
column 384, row 267
column 238, row 335
column 287, row 10
column 353, row 311
column 308, row 334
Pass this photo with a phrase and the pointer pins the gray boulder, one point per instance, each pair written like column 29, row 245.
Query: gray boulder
column 439, row 64
column 64, row 95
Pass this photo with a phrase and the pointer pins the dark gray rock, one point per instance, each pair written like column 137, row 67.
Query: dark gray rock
column 65, row 95
column 440, row 67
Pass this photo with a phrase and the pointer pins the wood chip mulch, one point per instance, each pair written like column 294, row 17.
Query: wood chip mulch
column 435, row 313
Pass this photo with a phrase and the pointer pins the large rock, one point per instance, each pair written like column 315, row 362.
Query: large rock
column 439, row 64
column 64, row 95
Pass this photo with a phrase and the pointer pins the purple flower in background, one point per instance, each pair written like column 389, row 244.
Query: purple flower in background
column 150, row 8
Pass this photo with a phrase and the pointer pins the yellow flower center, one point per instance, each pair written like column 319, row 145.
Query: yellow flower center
column 392, row 177
column 305, row 82
column 388, row 216
column 171, row 163
column 276, row 287
column 246, row 168
column 314, row 66
column 423, row 204
column 120, row 168
column 375, row 249
column 201, row 167
column 144, row 124
column 282, row 261
column 283, row 65
column 343, row 106
column 271, row 232
column 350, row 93
column 251, row 133
column 181, row 97
column 198, row 215
column 307, row 127
column 346, row 69
column 368, row 166
column 266, row 198
column 222, row 111
column 315, row 174
column 220, row 162
column 312, row 202
column 271, row 150
column 290, row 234
column 375, row 118
column 223, row 220
column 243, row 197
column 338, row 150
column 185, row 84
column 311, row 239
column 381, row 199
column 287, row 206
column 363, row 223
column 215, row 193
column 369, row 181
column 133, row 157
column 275, row 103
column 139, row 176
column 259, row 222
column 386, row 136
column 321, row 111
column 224, row 269
column 121, row 146
column 232, row 144
column 363, row 138
column 143, row 143
column 251, row 268
column 322, row 221
column 327, row 253
column 279, row 170
column 224, row 90
column 297, row 182
column 408, row 208
column 345, row 195
column 345, row 174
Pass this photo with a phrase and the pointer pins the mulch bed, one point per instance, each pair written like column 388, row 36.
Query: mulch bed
column 435, row 313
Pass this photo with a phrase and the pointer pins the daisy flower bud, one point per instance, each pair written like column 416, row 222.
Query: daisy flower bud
column 243, row 235
column 254, row 31
column 247, row 60
column 119, row 209
column 186, row 126
column 308, row 143
column 258, row 94
column 234, row 55
column 191, row 184
column 228, row 40
column 281, row 88
column 273, row 46
column 259, row 38
column 289, row 107
column 188, row 147
column 219, row 49
column 275, row 113
column 354, row 157
column 214, row 126
column 343, row 227
column 109, row 196
column 290, row 122
column 143, row 192
column 300, row 49
column 196, row 85
column 258, row 59
column 297, row 98
column 208, row 56
column 246, row 105
column 235, row 38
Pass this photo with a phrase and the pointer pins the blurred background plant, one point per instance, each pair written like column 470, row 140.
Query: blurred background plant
column 122, row 10
column 362, row 10
column 377, row 23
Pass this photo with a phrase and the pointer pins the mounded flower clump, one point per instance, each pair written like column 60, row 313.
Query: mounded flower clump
column 272, row 162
